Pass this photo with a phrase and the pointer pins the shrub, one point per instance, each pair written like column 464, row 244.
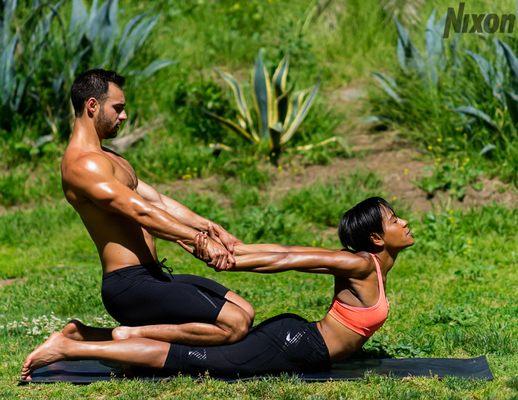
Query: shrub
column 38, row 66
column 279, row 110
column 439, row 98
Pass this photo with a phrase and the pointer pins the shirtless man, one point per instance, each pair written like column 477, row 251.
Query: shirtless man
column 123, row 214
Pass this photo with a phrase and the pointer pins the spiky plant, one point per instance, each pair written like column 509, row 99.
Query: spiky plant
column 38, row 65
column 278, row 110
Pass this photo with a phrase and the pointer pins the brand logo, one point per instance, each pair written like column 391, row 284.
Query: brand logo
column 477, row 23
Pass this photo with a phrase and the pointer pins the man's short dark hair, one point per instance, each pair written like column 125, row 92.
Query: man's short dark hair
column 92, row 83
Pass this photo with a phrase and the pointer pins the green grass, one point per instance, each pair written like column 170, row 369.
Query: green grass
column 449, row 294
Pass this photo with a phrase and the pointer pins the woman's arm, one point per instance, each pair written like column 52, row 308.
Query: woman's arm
column 330, row 262
column 244, row 249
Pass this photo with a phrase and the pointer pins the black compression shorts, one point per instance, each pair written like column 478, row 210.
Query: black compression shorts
column 146, row 295
column 285, row 343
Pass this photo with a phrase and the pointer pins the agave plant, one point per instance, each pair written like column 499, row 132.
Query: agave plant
column 505, row 91
column 279, row 111
column 12, row 85
column 427, row 67
column 38, row 65
column 94, row 38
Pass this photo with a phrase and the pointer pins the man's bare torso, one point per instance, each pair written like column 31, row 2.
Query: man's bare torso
column 119, row 241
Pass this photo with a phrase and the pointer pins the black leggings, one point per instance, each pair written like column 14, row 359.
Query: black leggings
column 145, row 295
column 285, row 343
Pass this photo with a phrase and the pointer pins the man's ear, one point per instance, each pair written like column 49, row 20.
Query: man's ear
column 91, row 106
column 377, row 240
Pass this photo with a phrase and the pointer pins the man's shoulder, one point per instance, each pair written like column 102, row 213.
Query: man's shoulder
column 85, row 162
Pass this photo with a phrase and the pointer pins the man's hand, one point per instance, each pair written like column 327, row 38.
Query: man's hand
column 209, row 251
column 217, row 233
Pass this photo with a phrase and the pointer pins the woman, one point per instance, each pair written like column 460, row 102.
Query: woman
column 372, row 235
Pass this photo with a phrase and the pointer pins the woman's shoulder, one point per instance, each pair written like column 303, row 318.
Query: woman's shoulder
column 361, row 263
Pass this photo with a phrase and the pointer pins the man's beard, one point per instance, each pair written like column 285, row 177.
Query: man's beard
column 105, row 127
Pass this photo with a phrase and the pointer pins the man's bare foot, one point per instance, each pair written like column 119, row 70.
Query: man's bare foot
column 76, row 330
column 52, row 350
column 125, row 332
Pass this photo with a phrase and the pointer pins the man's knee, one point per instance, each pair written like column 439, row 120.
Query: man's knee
column 249, row 310
column 241, row 303
column 236, row 323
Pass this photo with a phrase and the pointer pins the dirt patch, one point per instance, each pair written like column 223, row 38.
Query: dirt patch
column 399, row 166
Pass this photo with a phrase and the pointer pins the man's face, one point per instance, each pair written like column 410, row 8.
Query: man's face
column 111, row 113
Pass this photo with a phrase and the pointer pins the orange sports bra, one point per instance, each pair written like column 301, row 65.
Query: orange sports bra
column 363, row 320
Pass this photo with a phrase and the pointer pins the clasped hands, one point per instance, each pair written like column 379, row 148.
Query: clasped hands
column 215, row 247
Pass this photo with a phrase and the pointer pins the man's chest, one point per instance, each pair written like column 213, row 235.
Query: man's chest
column 123, row 171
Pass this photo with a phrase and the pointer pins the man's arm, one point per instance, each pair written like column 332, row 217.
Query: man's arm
column 186, row 216
column 93, row 176
column 182, row 213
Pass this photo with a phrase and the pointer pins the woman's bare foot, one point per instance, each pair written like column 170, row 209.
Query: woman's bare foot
column 125, row 332
column 52, row 350
column 76, row 330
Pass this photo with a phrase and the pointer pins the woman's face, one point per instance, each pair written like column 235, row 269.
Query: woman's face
column 396, row 233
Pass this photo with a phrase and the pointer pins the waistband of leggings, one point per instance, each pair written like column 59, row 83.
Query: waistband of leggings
column 320, row 340
column 152, row 266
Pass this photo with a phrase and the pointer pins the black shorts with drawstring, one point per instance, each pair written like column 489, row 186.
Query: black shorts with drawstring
column 146, row 295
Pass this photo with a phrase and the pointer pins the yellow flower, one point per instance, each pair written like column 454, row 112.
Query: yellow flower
column 430, row 147
column 406, row 171
column 186, row 177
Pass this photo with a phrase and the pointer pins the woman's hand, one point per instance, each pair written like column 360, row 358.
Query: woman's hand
column 219, row 234
column 203, row 249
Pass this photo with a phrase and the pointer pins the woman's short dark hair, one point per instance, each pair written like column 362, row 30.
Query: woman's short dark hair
column 360, row 222
column 92, row 83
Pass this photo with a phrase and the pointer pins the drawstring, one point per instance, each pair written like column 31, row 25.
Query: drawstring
column 163, row 266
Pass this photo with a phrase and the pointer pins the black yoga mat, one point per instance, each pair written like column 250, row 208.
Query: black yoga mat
column 88, row 371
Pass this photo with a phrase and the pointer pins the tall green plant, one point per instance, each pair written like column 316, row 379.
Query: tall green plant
column 278, row 110
column 12, row 85
column 504, row 90
column 428, row 67
column 38, row 65
column 94, row 38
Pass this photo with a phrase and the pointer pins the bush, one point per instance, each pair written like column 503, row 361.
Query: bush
column 40, row 64
column 443, row 102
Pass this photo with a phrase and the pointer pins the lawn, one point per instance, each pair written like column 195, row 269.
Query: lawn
column 450, row 294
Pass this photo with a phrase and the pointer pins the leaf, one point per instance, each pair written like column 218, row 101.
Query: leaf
column 43, row 140
column 511, row 100
column 388, row 85
column 487, row 148
column 155, row 66
column 78, row 20
column 301, row 114
column 512, row 62
column 242, row 106
column 408, row 56
column 482, row 116
column 485, row 67
column 231, row 126
column 7, row 78
column 280, row 77
column 262, row 94
column 136, row 33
